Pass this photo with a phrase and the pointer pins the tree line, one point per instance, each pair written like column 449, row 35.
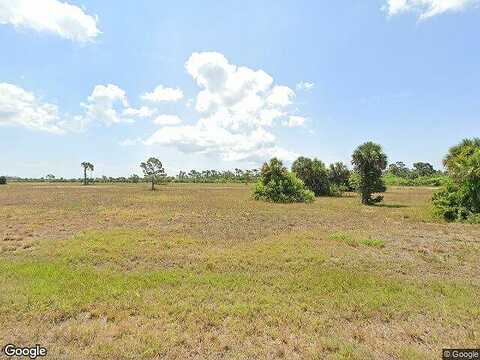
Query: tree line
column 457, row 200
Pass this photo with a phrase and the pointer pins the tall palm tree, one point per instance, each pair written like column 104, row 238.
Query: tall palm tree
column 86, row 166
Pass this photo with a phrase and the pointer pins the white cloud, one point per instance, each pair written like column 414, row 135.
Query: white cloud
column 109, row 104
column 61, row 18
column 167, row 120
column 295, row 121
column 161, row 93
column 427, row 8
column 106, row 103
column 236, row 106
column 305, row 85
column 19, row 107
column 281, row 95
column 257, row 145
column 142, row 112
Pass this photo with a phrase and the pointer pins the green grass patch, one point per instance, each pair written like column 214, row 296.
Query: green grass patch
column 355, row 242
column 345, row 238
column 378, row 243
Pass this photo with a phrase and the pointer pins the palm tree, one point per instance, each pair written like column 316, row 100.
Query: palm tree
column 369, row 161
column 86, row 166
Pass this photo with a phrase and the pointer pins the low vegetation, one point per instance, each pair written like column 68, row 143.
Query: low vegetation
column 279, row 185
column 422, row 174
column 314, row 175
column 459, row 199
column 3, row 180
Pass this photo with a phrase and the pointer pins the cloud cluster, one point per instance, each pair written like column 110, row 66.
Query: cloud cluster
column 53, row 16
column 427, row 8
column 19, row 107
column 236, row 107
column 161, row 93
column 107, row 104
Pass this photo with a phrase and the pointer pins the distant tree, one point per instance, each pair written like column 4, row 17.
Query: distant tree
column 50, row 177
column 369, row 161
column 86, row 166
column 339, row 174
column 3, row 180
column 313, row 173
column 399, row 169
column 153, row 170
column 277, row 184
column 134, row 178
column 423, row 169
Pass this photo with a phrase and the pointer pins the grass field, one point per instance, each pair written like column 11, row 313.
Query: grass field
column 205, row 272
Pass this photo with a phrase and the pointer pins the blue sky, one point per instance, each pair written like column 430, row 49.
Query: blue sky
column 236, row 82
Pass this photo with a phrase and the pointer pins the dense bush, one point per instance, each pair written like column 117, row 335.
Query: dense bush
column 339, row 175
column 277, row 184
column 432, row 180
column 369, row 161
column 354, row 181
column 3, row 180
column 314, row 175
column 459, row 199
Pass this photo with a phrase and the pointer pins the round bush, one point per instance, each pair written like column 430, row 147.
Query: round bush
column 278, row 185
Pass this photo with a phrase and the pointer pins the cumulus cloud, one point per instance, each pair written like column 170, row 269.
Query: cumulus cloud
column 109, row 104
column 106, row 104
column 305, row 85
column 19, row 107
column 237, row 106
column 161, row 93
column 256, row 145
column 427, row 8
column 53, row 16
column 167, row 120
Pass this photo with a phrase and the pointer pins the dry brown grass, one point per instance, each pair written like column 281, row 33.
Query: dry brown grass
column 204, row 271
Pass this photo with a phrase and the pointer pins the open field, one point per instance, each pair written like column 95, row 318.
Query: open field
column 205, row 272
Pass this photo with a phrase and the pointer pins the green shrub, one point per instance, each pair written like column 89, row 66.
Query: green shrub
column 338, row 175
column 433, row 180
column 459, row 199
column 278, row 185
column 370, row 161
column 3, row 180
column 394, row 180
column 314, row 175
column 354, row 181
